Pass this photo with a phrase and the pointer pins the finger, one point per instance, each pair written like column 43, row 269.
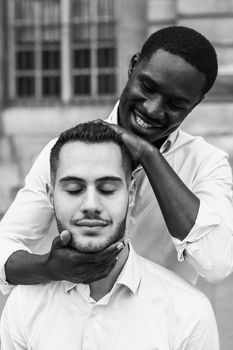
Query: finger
column 109, row 259
column 86, row 267
column 65, row 237
column 98, row 121
column 112, row 250
column 102, row 272
column 85, row 258
column 57, row 242
column 119, row 130
column 105, row 270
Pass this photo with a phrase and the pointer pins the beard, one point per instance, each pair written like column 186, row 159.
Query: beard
column 93, row 244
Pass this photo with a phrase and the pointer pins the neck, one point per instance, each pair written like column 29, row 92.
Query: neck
column 99, row 289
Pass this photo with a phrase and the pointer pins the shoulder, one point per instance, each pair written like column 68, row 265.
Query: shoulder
column 47, row 148
column 32, row 297
column 198, row 146
column 26, row 306
column 182, row 296
column 40, row 170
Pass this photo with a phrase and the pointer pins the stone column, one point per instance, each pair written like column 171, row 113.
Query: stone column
column 2, row 37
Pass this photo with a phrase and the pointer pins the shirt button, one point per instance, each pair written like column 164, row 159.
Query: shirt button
column 93, row 312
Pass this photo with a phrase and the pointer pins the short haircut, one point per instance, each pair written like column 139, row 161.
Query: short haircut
column 91, row 133
column 190, row 45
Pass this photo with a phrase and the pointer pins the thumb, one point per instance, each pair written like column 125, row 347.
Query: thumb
column 65, row 237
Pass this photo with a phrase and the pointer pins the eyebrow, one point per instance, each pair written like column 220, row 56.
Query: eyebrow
column 182, row 99
column 101, row 179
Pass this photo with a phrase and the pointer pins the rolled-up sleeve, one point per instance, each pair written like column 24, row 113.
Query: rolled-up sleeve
column 28, row 219
column 209, row 245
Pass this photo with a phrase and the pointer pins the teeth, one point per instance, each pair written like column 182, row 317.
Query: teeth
column 142, row 123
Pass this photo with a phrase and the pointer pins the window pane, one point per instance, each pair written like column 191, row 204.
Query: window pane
column 82, row 85
column 24, row 35
column 80, row 32
column 82, row 58
column 80, row 8
column 106, row 8
column 51, row 34
column 25, row 60
column 106, row 84
column 51, row 59
column 50, row 11
column 51, row 86
column 106, row 57
column 24, row 9
column 25, row 86
column 106, row 31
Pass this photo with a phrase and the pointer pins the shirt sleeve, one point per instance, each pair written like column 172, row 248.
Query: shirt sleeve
column 209, row 245
column 27, row 221
column 12, row 337
column 199, row 331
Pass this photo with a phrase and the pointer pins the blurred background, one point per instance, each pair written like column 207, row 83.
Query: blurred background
column 65, row 61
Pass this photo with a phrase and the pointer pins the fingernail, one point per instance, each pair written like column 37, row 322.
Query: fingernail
column 120, row 246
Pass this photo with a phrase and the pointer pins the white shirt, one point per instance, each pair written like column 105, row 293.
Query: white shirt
column 148, row 308
column 209, row 245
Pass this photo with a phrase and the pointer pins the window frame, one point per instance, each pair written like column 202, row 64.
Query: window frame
column 67, row 95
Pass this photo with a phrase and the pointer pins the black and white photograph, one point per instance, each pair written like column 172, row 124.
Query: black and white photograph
column 116, row 186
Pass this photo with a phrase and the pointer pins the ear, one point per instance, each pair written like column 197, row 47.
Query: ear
column 131, row 201
column 49, row 190
column 132, row 193
column 133, row 63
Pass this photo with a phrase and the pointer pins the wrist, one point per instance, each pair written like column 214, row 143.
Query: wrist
column 42, row 267
column 148, row 151
column 46, row 268
column 25, row 268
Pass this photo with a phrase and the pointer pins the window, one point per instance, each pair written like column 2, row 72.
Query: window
column 61, row 49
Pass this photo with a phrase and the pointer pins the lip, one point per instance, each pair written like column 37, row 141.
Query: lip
column 153, row 125
column 91, row 223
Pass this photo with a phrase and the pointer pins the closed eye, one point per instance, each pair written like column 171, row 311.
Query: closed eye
column 147, row 87
column 173, row 105
column 77, row 191
column 108, row 187
column 74, row 188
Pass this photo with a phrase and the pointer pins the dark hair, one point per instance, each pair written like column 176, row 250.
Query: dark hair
column 90, row 132
column 190, row 45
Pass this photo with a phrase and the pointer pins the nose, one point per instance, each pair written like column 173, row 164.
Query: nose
column 154, row 106
column 91, row 202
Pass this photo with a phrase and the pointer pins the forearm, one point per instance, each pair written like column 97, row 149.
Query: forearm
column 178, row 204
column 25, row 268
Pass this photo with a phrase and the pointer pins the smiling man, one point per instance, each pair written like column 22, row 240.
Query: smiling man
column 154, row 108
column 184, row 185
column 139, row 305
